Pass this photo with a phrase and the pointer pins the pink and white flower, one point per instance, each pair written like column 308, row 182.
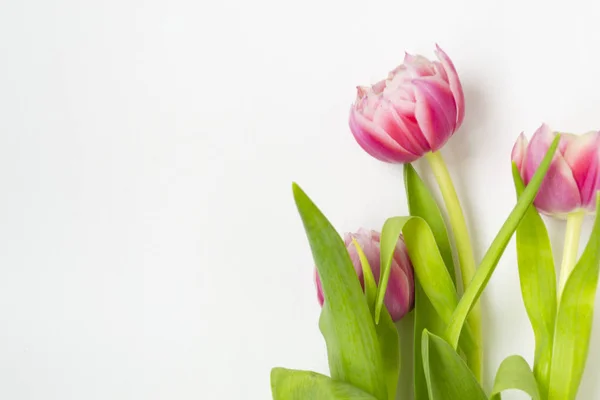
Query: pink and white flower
column 414, row 111
column 573, row 179
column 400, row 292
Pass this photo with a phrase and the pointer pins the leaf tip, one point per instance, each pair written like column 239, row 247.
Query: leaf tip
column 296, row 189
column 276, row 374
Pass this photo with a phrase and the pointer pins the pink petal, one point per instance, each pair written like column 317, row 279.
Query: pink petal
column 559, row 193
column 320, row 297
column 435, row 111
column 376, row 142
column 398, row 299
column 540, row 142
column 440, row 71
column 582, row 153
column 518, row 152
column 455, row 85
column 401, row 258
column 404, row 132
column 418, row 66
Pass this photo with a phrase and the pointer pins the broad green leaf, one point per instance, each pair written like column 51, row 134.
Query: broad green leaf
column 387, row 334
column 287, row 384
column 428, row 264
column 426, row 318
column 426, row 258
column 538, row 285
column 422, row 204
column 389, row 343
column 448, row 376
column 515, row 373
column 492, row 256
column 574, row 320
column 352, row 345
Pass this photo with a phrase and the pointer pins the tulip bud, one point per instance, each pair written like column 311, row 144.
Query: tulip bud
column 412, row 112
column 399, row 296
column 574, row 175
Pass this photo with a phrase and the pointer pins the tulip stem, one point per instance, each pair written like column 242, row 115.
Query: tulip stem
column 464, row 249
column 571, row 248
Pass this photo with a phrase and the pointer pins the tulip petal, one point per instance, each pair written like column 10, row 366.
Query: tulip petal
column 441, row 72
column 435, row 111
column 319, row 288
column 407, row 134
column 519, row 151
column 559, row 193
column 418, row 66
column 590, row 189
column 401, row 258
column 455, row 85
column 398, row 299
column 582, row 153
column 376, row 142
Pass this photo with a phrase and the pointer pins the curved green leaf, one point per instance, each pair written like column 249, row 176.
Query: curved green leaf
column 389, row 343
column 369, row 278
column 538, row 285
column 492, row 256
column 426, row 259
column 387, row 334
column 515, row 373
column 422, row 204
column 426, row 318
column 574, row 320
column 287, row 384
column 448, row 376
column 352, row 345
column 429, row 267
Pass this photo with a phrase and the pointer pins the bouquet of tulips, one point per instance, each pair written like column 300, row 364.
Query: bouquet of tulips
column 370, row 280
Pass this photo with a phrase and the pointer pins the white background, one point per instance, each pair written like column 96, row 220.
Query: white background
column 150, row 247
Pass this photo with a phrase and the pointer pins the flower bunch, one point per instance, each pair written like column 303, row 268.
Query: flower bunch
column 370, row 280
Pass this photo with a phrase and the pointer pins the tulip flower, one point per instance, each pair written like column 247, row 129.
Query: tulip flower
column 412, row 112
column 574, row 176
column 570, row 186
column 399, row 296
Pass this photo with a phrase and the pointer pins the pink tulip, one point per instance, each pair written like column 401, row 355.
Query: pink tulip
column 412, row 112
column 399, row 296
column 574, row 175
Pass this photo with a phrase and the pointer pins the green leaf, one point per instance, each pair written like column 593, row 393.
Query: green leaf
column 389, row 342
column 428, row 264
column 387, row 334
column 352, row 345
column 426, row 318
column 369, row 278
column 426, row 259
column 492, row 256
column 447, row 375
column 422, row 204
column 538, row 285
column 574, row 320
column 514, row 373
column 287, row 384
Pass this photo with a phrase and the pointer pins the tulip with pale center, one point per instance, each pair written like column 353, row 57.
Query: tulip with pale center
column 399, row 296
column 571, row 185
column 574, row 176
column 412, row 112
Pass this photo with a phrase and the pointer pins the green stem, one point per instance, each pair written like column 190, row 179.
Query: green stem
column 464, row 249
column 571, row 249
